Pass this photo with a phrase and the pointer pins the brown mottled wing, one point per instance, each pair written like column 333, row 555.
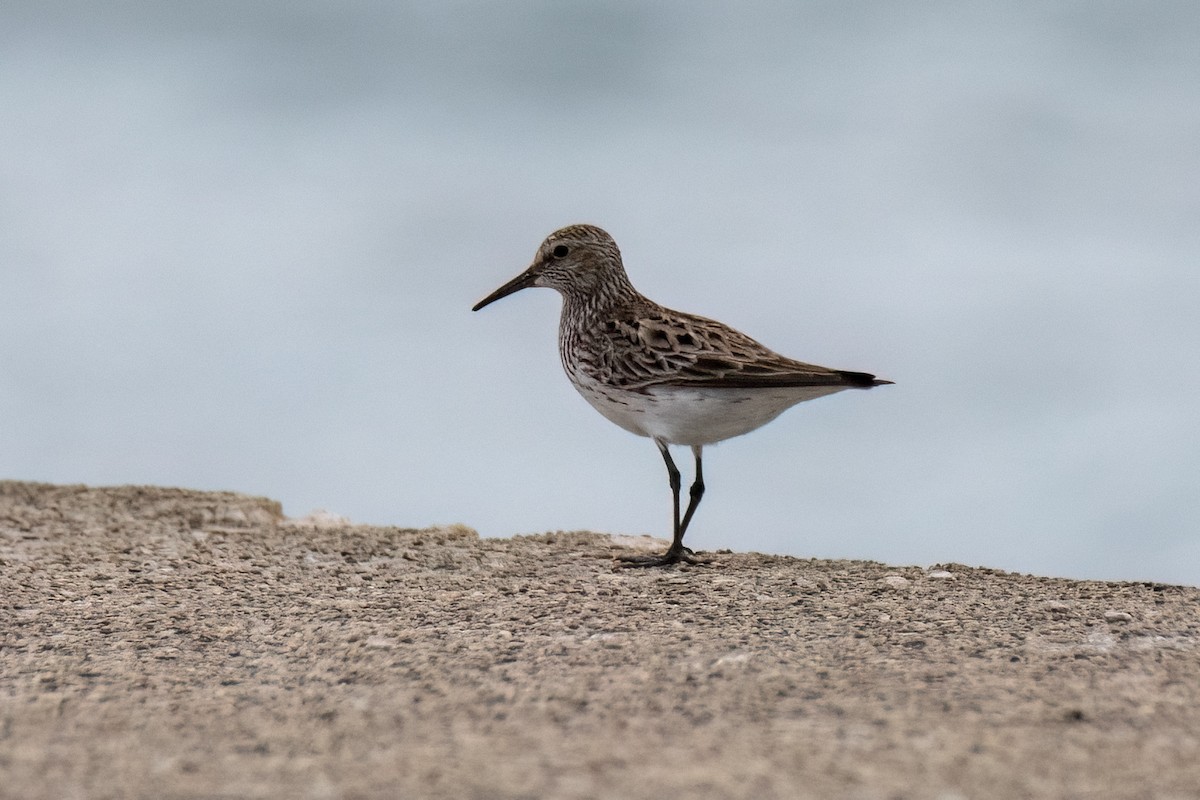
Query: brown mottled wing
column 676, row 349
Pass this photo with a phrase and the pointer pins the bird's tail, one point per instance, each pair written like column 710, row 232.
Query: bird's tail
column 862, row 380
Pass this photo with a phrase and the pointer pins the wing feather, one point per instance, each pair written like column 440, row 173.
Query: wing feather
column 671, row 348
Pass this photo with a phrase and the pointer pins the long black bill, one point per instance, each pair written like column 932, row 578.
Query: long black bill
column 522, row 281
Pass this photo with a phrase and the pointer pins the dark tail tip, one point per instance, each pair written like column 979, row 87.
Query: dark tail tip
column 863, row 380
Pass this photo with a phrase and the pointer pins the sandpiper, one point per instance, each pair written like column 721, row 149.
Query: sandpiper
column 676, row 378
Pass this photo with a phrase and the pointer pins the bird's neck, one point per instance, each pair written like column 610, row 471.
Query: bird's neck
column 585, row 309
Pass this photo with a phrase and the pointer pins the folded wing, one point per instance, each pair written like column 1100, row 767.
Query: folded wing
column 676, row 349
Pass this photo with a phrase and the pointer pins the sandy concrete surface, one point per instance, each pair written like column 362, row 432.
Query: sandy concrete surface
column 163, row 643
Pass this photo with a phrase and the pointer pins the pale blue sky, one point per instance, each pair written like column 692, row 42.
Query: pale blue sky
column 240, row 241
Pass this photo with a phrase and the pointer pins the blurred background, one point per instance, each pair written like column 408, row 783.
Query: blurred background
column 239, row 243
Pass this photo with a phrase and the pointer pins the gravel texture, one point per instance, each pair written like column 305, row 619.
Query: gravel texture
column 165, row 643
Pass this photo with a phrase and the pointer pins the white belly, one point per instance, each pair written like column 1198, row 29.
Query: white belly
column 695, row 416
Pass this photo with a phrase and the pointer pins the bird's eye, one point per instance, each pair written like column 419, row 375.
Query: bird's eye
column 560, row 251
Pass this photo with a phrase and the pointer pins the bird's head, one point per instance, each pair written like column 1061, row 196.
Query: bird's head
column 580, row 261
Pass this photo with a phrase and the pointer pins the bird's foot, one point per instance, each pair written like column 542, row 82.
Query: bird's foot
column 674, row 555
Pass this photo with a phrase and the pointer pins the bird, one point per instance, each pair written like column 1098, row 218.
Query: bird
column 673, row 377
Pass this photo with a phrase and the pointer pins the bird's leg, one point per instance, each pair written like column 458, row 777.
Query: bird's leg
column 674, row 477
column 676, row 552
column 695, row 493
